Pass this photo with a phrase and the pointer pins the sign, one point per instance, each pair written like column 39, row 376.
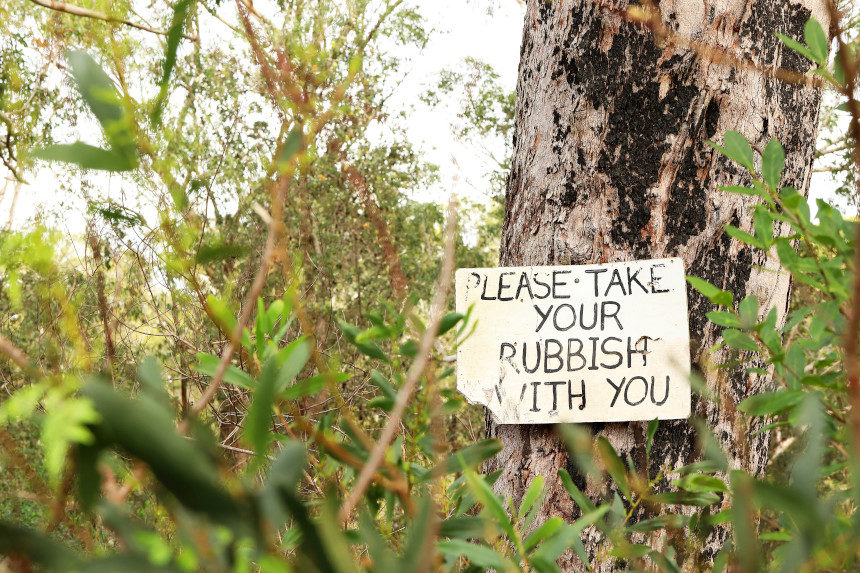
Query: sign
column 590, row 343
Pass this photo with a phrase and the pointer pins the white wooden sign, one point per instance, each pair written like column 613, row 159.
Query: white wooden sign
column 590, row 343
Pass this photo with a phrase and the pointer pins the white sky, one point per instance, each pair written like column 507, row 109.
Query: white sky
column 487, row 30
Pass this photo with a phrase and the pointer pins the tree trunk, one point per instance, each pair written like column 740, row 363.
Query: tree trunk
column 610, row 164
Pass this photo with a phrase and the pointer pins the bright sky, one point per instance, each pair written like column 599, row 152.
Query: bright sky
column 487, row 30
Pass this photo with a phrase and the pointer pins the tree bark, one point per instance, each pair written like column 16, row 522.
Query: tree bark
column 610, row 164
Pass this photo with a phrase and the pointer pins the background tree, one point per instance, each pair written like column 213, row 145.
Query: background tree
column 611, row 163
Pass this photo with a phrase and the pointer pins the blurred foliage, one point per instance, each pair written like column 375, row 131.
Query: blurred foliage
column 206, row 378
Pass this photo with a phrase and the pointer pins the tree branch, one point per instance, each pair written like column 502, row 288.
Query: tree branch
column 66, row 8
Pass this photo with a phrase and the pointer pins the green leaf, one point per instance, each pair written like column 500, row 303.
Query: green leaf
column 208, row 364
column 585, row 504
column 416, row 548
column 667, row 521
column 367, row 348
column 770, row 403
column 738, row 190
column 737, row 148
column 533, row 492
column 284, row 474
column 614, row 465
column 723, row 318
column 796, row 46
column 742, row 236
column 292, row 359
column 97, row 90
column 478, row 555
column 548, row 528
column 143, row 428
column 377, row 547
column 816, row 40
column 625, row 550
column 649, row 436
column 709, row 291
column 776, row 536
column 334, row 542
column 748, row 311
column 292, row 145
column 772, row 163
column 174, row 36
column 448, row 322
column 218, row 252
column 739, row 340
column 685, row 498
column 86, row 157
column 64, row 424
column 258, row 421
column 472, row 455
column 491, row 502
column 310, row 386
column 99, row 93
column 700, row 483
column 464, row 527
column 36, row 548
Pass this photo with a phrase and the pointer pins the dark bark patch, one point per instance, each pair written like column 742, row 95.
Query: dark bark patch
column 686, row 210
column 675, row 440
column 765, row 20
column 636, row 139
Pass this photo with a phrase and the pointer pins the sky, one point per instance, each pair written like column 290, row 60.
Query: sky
column 487, row 30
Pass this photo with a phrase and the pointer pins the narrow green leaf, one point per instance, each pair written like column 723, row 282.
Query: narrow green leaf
column 649, row 436
column 742, row 236
column 585, row 504
column 614, row 465
column 700, row 483
column 174, row 36
column 796, row 46
column 472, row 455
column 258, row 421
column 739, row 340
column 86, row 156
column 711, row 292
column 737, row 148
column 685, row 498
column 816, row 40
column 144, row 429
column 208, row 364
column 770, row 403
column 772, row 163
column 548, row 528
column 292, row 359
column 723, row 318
column 667, row 521
column 532, row 494
column 449, row 321
column 748, row 311
column 292, row 145
column 492, row 503
column 478, row 555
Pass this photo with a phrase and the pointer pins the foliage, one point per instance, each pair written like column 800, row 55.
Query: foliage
column 193, row 397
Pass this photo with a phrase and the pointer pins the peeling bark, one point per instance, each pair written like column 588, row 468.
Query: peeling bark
column 610, row 164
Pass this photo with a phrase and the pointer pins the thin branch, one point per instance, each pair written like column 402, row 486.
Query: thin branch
column 852, row 331
column 392, row 259
column 67, row 8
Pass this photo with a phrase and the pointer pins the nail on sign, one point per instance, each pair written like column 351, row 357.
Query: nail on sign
column 590, row 343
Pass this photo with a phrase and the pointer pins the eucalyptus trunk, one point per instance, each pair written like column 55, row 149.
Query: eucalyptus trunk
column 610, row 163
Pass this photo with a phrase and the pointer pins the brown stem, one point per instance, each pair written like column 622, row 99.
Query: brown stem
column 852, row 365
